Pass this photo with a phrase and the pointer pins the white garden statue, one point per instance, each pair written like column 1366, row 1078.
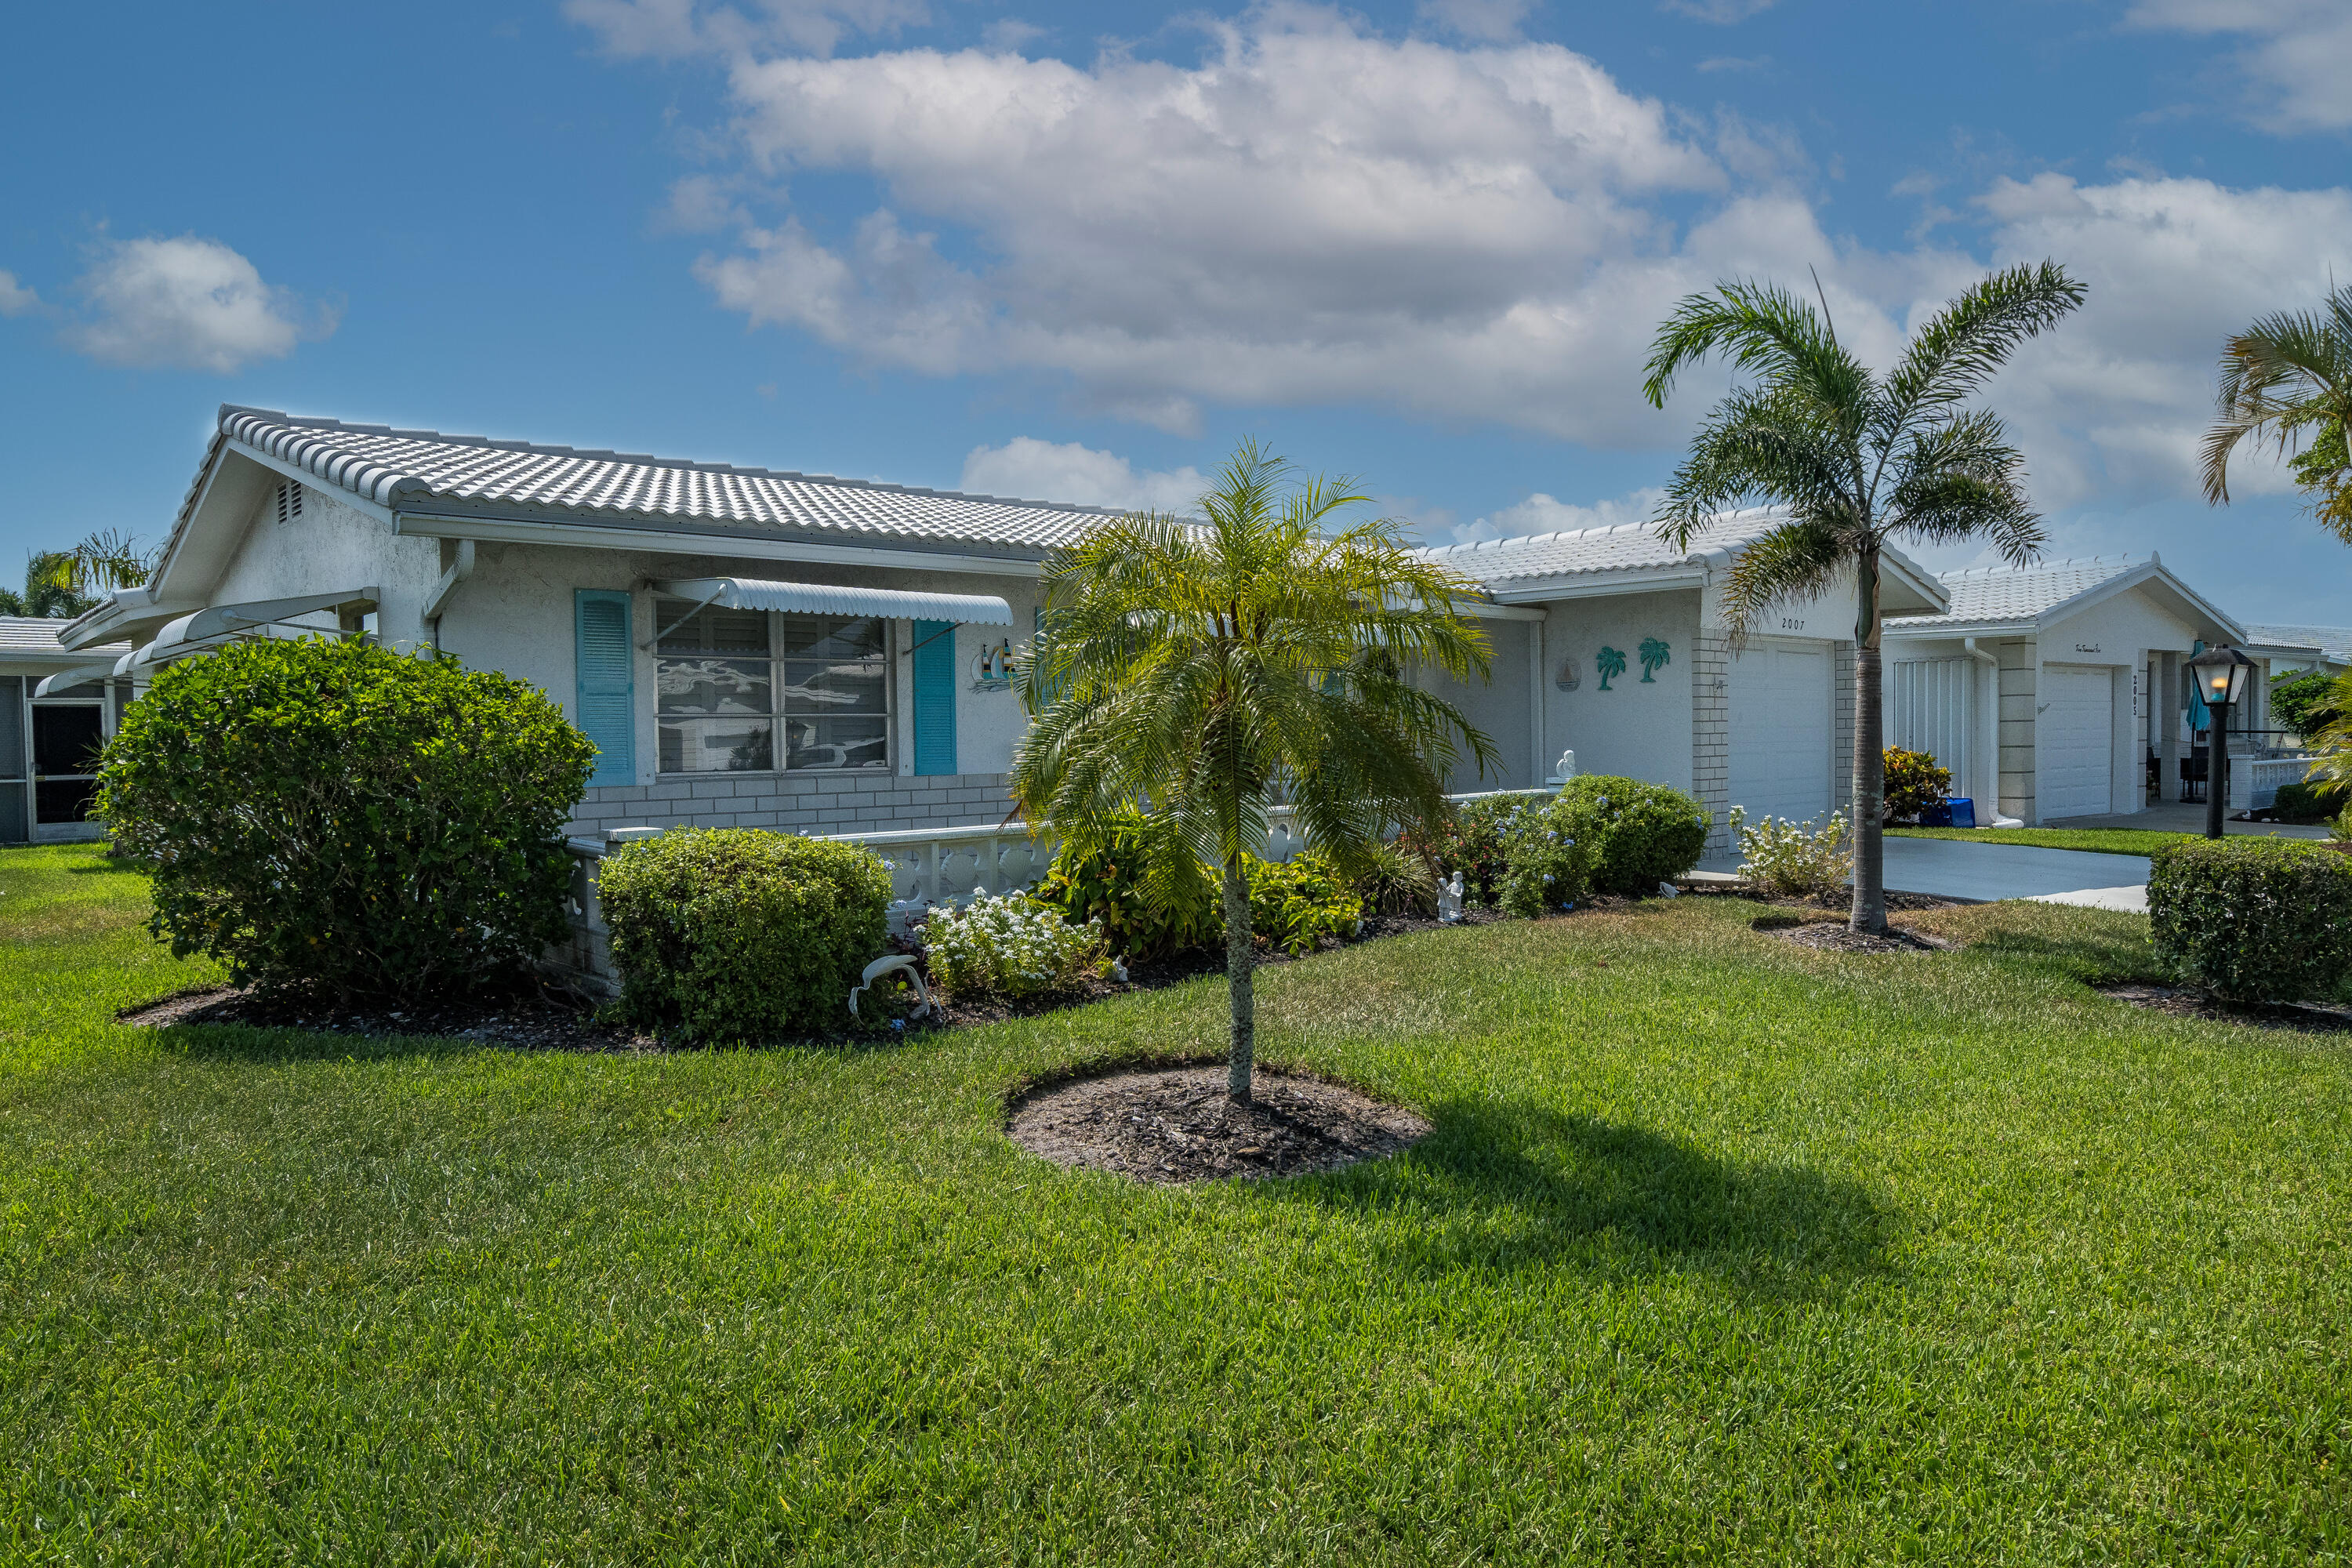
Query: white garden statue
column 1563, row 770
column 1449, row 899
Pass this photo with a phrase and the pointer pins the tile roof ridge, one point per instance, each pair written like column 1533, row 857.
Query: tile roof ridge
column 546, row 449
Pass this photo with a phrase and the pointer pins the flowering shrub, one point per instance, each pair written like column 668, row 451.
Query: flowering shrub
column 1794, row 858
column 1294, row 904
column 1471, row 841
column 1010, row 945
column 1639, row 835
column 1547, row 861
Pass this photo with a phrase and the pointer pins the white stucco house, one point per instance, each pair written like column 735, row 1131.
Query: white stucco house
column 48, row 737
column 2055, row 690
column 2287, row 651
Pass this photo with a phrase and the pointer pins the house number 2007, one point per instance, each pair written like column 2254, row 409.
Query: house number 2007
column 1788, row 625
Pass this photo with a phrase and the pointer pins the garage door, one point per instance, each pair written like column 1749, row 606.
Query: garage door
column 1780, row 739
column 2074, row 740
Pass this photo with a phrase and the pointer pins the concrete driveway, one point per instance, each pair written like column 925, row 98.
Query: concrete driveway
column 1954, row 868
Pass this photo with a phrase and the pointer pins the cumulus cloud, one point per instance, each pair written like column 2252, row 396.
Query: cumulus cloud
column 1487, row 21
column 674, row 29
column 2296, row 62
column 1029, row 470
column 1541, row 513
column 16, row 298
column 188, row 304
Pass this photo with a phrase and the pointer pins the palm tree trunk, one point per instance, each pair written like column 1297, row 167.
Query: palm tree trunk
column 1869, row 763
column 1240, row 960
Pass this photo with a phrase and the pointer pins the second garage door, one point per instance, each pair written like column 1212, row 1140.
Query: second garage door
column 1782, row 712
column 2074, row 740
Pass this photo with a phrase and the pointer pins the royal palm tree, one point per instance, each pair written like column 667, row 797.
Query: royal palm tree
column 1853, row 459
column 1209, row 672
column 2286, row 382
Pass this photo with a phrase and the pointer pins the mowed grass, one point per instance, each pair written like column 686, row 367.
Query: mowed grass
column 2099, row 840
column 1723, row 1250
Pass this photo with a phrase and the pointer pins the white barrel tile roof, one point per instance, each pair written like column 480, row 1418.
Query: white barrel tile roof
column 1624, row 547
column 2019, row 593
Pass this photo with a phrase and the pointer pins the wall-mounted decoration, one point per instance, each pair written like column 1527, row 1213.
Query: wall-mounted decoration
column 1654, row 657
column 1610, row 663
column 1567, row 680
column 993, row 667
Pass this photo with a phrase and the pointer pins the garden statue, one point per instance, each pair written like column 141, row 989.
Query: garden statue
column 1449, row 899
column 1563, row 770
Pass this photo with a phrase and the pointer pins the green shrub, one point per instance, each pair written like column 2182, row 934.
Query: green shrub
column 1471, row 841
column 2253, row 920
column 325, row 813
column 1914, row 782
column 1400, row 882
column 1012, row 946
column 1638, row 835
column 1107, row 887
column 2307, row 704
column 1548, row 862
column 1295, row 903
column 1794, row 859
column 2306, row 802
column 732, row 933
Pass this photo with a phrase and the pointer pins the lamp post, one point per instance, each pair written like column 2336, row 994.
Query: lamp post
column 2221, row 673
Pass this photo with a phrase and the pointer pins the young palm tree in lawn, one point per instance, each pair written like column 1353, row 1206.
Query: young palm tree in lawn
column 2286, row 381
column 1854, row 459
column 1210, row 671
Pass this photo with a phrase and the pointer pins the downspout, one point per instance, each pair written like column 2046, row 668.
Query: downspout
column 460, row 567
column 1990, row 769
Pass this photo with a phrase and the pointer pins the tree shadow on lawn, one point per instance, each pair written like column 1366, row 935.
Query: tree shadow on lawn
column 2093, row 959
column 1514, row 1185
column 271, row 1043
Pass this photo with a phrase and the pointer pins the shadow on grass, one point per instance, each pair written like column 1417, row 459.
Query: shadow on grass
column 106, row 866
column 2093, row 959
column 1498, row 1188
column 277, row 1044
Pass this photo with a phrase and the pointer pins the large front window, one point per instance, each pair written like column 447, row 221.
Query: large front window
column 749, row 691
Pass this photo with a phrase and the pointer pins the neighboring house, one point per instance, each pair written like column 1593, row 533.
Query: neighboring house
column 2290, row 651
column 50, row 730
column 1618, row 651
column 2035, row 686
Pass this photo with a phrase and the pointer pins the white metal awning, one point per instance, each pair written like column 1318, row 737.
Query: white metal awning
column 65, row 679
column 216, row 624
column 817, row 599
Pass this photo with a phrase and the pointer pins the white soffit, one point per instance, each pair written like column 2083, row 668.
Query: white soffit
column 819, row 599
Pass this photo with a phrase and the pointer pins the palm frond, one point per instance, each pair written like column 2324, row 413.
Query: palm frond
column 1970, row 338
column 1794, row 562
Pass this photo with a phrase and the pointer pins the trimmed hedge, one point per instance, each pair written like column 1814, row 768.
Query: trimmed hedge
column 1638, row 835
column 331, row 815
column 736, row 934
column 2253, row 920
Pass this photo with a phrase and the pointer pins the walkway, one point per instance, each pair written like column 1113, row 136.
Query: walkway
column 2174, row 817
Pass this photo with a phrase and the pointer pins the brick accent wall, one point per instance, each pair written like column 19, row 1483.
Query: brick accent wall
column 1843, row 658
column 799, row 803
column 1711, row 734
column 2018, row 677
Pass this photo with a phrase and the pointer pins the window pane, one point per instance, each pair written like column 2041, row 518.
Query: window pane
column 715, row 685
column 837, row 744
column 836, row 688
column 713, row 630
column 816, row 636
column 716, row 746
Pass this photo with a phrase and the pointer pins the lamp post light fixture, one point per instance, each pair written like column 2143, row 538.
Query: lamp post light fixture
column 2221, row 673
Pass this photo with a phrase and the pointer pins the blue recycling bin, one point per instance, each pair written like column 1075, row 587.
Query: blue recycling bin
column 1937, row 815
column 1959, row 812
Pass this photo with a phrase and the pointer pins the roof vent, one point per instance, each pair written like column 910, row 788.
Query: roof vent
column 289, row 502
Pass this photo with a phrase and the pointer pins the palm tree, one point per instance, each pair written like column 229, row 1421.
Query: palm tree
column 2287, row 381
column 1854, row 459
column 1210, row 671
column 60, row 585
column 48, row 589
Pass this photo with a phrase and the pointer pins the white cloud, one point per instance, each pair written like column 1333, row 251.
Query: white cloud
column 1027, row 469
column 1732, row 63
column 1539, row 513
column 189, row 304
column 2297, row 61
column 674, row 29
column 1722, row 12
column 1487, row 21
column 698, row 203
column 16, row 298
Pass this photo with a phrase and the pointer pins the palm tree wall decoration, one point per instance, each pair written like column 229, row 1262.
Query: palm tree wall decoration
column 1853, row 459
column 1209, row 672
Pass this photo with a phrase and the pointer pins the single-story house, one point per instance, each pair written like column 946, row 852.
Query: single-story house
column 2050, row 690
column 50, row 739
column 2289, row 651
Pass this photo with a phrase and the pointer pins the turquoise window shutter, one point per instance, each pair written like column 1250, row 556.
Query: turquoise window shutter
column 606, row 709
column 935, row 738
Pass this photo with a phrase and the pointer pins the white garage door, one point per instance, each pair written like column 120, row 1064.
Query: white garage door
column 1780, row 739
column 2074, row 740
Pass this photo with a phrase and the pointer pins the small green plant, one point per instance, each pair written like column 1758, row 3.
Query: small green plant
column 1547, row 865
column 1914, row 782
column 1294, row 904
column 1639, row 835
column 1398, row 882
column 1470, row 840
column 2253, row 920
column 1105, row 885
column 1794, row 859
column 329, row 815
column 736, row 934
column 1011, row 946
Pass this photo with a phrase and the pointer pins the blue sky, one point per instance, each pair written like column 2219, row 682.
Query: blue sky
column 1074, row 251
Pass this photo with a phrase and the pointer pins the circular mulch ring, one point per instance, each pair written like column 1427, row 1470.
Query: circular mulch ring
column 1831, row 936
column 1175, row 1124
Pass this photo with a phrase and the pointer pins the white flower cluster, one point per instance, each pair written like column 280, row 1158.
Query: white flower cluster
column 1794, row 858
column 1010, row 945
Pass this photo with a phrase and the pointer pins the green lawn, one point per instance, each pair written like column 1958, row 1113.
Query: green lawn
column 1725, row 1250
column 2102, row 840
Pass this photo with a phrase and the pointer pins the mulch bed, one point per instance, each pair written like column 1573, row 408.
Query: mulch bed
column 525, row 1023
column 1174, row 1124
column 2309, row 1018
column 1831, row 936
